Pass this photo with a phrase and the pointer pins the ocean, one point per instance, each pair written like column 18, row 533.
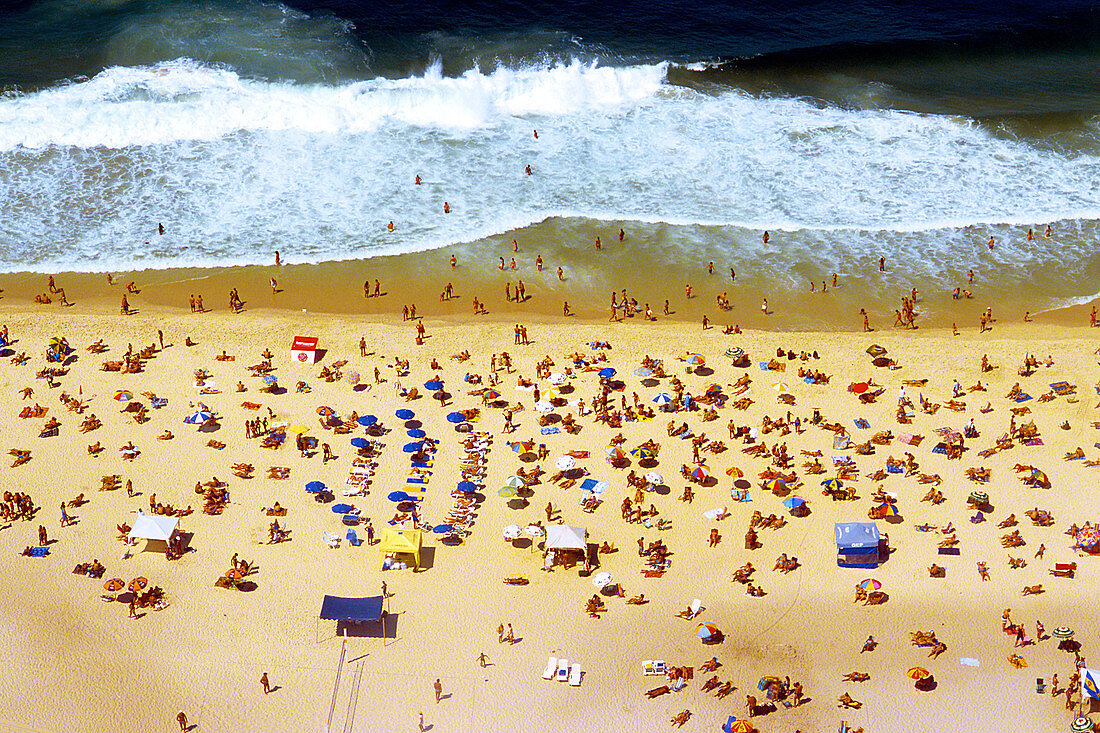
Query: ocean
column 850, row 131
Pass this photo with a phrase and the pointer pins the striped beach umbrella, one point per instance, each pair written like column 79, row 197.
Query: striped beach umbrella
column 662, row 399
column 507, row 492
column 1081, row 724
column 115, row 584
column 643, row 372
column 696, row 359
column 352, row 378
column 138, row 584
column 735, row 472
column 1063, row 632
column 643, row 452
column 515, row 482
column 917, row 673
column 700, row 474
column 490, row 394
column 706, row 630
column 888, row 510
column 869, row 584
column 615, row 453
column 123, row 395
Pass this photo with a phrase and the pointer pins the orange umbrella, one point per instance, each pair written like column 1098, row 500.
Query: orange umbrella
column 115, row 584
column 918, row 673
column 234, row 574
column 138, row 584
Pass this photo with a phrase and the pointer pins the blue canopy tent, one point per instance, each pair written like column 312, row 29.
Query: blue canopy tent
column 354, row 610
column 857, row 544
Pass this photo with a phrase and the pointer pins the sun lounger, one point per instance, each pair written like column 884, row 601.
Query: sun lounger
column 648, row 667
column 330, row 539
column 563, row 670
column 353, row 538
column 678, row 684
column 551, row 668
column 575, row 675
column 696, row 606
column 660, row 666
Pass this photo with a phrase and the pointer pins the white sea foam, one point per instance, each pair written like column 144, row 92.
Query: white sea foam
column 237, row 167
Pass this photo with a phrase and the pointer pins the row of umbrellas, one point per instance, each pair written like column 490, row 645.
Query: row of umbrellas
column 136, row 585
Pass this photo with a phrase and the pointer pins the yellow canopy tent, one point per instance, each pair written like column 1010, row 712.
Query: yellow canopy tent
column 404, row 541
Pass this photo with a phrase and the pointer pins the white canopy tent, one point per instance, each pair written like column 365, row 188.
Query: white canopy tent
column 152, row 527
column 560, row 537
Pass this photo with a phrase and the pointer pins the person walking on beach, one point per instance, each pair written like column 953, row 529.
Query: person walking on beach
column 510, row 637
column 482, row 659
column 438, row 690
column 265, row 683
column 181, row 718
column 421, row 721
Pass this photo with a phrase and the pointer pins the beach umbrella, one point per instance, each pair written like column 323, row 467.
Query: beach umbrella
column 735, row 472
column 643, row 452
column 793, row 501
column 412, row 447
column 869, row 584
column 564, row 463
column 233, row 574
column 1088, row 537
column 515, row 482
column 367, row 420
column 466, row 487
column 341, row 508
column 455, row 417
column 551, row 394
column 714, row 388
column 352, row 377
column 433, row 384
column 490, row 394
column 270, row 379
column 1063, row 632
column 643, row 372
column 123, row 395
column 615, row 453
column 700, row 474
column 654, row 478
column 442, row 528
column 115, row 584
column 832, row 484
column 859, row 387
column 543, row 406
column 523, row 446
column 662, row 399
column 875, row 350
column 918, row 673
column 706, row 630
column 416, row 433
column 359, row 442
column 606, row 373
column 766, row 682
column 507, row 492
column 776, row 484
column 740, row 726
column 735, row 352
column 138, row 584
column 780, row 386
column 979, row 497
column 696, row 359
column 601, row 579
column 198, row 417
column 325, row 411
column 1081, row 724
column 512, row 531
column 398, row 496
column 315, row 487
column 888, row 510
column 405, row 414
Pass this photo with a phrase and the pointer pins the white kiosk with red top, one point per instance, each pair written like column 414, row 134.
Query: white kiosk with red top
column 304, row 349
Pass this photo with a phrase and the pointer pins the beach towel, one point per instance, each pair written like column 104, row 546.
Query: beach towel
column 39, row 551
column 1063, row 388
column 940, row 448
column 763, row 366
column 948, row 550
column 862, row 424
column 579, row 453
column 159, row 402
column 840, row 442
column 808, row 380
column 910, row 439
column 895, row 469
column 969, row 661
column 1033, row 441
column 550, row 431
column 1023, row 398
column 416, row 481
column 422, row 464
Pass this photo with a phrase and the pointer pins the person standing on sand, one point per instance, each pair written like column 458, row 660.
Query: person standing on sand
column 181, row 718
column 438, row 690
column 764, row 307
column 882, row 264
column 363, row 346
column 265, row 683
column 500, row 634
column 482, row 659
column 510, row 637
column 561, row 275
column 766, row 236
column 198, row 304
column 421, row 721
column 866, row 323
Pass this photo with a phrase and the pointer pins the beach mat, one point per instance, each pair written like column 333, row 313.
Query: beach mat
column 948, row 551
column 862, row 424
column 550, row 431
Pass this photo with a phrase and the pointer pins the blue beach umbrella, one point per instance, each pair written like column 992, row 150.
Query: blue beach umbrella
column 433, row 384
column 662, row 399
column 270, row 379
column 198, row 418
column 455, row 417
column 467, row 487
column 643, row 372
column 416, row 433
column 442, row 528
column 398, row 496
column 359, row 442
column 315, row 487
column 606, row 373
column 341, row 508
column 367, row 420
column 793, row 501
column 405, row 414
column 412, row 447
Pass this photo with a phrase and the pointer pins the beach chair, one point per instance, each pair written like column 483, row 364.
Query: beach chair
column 551, row 668
column 648, row 667
column 563, row 670
column 330, row 539
column 696, row 607
column 659, row 666
column 575, row 675
column 353, row 538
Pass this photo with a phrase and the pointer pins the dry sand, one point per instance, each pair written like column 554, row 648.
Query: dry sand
column 78, row 663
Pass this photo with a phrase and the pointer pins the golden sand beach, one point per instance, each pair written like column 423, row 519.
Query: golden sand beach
column 79, row 663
